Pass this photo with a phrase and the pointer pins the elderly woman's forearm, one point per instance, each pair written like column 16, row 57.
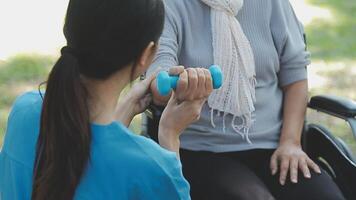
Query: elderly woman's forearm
column 295, row 104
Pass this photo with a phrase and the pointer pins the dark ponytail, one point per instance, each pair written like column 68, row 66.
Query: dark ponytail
column 65, row 137
column 103, row 37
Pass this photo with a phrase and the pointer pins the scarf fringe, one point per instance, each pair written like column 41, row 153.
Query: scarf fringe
column 252, row 84
column 242, row 129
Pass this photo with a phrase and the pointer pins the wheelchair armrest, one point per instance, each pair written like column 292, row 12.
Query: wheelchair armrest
column 338, row 106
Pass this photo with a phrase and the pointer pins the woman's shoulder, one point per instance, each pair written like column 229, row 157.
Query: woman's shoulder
column 26, row 100
column 24, row 114
column 22, row 127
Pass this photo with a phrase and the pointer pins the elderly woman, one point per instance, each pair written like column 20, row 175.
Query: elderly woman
column 247, row 143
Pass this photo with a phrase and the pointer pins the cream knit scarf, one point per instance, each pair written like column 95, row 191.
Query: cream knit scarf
column 233, row 53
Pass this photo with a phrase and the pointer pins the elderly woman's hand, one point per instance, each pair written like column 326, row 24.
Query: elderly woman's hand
column 190, row 84
column 189, row 80
column 290, row 157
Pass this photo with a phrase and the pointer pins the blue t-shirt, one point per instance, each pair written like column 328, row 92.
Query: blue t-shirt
column 122, row 165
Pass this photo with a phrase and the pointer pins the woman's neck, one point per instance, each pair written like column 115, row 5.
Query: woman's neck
column 103, row 97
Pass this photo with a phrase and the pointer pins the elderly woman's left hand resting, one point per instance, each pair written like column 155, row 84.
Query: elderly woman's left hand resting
column 289, row 156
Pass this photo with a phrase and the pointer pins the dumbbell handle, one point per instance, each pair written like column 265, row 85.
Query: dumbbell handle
column 166, row 82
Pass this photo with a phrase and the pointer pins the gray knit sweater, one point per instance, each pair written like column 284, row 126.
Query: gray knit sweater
column 276, row 37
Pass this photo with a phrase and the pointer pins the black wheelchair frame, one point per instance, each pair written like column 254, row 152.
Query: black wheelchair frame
column 329, row 151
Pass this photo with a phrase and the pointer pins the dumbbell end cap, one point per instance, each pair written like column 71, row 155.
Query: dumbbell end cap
column 163, row 83
column 217, row 75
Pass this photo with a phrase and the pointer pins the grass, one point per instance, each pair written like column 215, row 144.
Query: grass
column 24, row 68
column 332, row 43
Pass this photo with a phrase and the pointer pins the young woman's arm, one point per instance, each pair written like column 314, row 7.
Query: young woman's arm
column 179, row 114
column 175, row 118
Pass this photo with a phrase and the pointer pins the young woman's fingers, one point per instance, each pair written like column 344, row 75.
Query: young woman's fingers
column 145, row 101
column 303, row 166
column 148, row 79
column 172, row 100
column 274, row 164
column 208, row 83
column 182, row 85
column 147, row 98
column 141, row 88
column 176, row 70
column 283, row 170
column 192, row 83
column 201, row 83
column 293, row 170
column 313, row 166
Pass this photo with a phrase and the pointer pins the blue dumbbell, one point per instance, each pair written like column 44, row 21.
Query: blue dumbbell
column 166, row 82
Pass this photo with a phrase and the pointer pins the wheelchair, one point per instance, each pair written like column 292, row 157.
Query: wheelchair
column 329, row 151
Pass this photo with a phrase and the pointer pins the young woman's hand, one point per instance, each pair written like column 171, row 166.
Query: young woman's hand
column 178, row 114
column 291, row 158
column 135, row 102
column 139, row 97
column 186, row 86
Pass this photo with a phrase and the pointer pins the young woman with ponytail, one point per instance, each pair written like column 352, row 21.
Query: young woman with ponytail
column 71, row 141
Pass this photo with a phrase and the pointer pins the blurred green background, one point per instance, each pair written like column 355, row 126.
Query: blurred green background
column 330, row 26
column 332, row 42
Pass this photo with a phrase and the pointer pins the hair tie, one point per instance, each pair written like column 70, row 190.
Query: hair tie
column 66, row 50
column 70, row 55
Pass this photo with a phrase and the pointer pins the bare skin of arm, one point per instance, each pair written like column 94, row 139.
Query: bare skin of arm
column 289, row 156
